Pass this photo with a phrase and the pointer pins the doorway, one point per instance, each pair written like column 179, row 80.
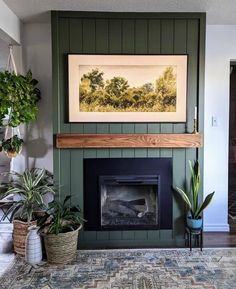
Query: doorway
column 232, row 150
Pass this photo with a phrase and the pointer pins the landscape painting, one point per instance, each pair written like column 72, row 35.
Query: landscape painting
column 127, row 88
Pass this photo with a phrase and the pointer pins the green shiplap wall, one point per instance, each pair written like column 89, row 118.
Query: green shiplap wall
column 126, row 33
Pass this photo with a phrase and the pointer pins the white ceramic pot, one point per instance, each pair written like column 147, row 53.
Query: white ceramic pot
column 33, row 246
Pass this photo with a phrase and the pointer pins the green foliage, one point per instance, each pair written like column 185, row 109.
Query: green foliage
column 117, row 95
column 116, row 86
column 192, row 199
column 61, row 217
column 19, row 94
column 96, row 79
column 13, row 144
column 30, row 187
column 166, row 88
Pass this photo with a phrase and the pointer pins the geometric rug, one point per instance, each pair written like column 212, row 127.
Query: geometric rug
column 130, row 269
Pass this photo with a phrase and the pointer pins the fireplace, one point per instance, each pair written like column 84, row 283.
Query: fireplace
column 128, row 194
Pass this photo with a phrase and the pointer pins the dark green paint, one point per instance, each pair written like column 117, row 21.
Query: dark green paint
column 126, row 33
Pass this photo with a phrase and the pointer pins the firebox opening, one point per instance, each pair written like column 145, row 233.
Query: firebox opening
column 128, row 201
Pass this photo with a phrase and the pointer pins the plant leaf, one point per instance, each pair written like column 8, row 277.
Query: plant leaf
column 184, row 197
column 204, row 205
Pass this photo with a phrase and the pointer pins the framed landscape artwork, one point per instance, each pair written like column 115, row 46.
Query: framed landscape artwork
column 127, row 88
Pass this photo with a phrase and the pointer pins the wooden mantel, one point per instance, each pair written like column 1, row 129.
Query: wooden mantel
column 186, row 140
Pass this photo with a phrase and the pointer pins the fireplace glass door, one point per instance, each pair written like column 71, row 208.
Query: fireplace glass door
column 129, row 202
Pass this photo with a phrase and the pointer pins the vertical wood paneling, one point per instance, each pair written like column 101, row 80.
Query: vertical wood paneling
column 102, row 34
column 141, row 36
column 76, row 179
column 137, row 35
column 64, row 177
column 179, row 161
column 89, row 36
column 192, row 43
column 63, row 87
column 115, row 36
column 128, row 36
column 154, row 36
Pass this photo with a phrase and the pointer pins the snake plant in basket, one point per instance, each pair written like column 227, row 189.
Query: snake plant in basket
column 60, row 227
column 195, row 207
column 29, row 188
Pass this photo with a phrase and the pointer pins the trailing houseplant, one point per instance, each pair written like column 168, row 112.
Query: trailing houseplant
column 29, row 188
column 60, row 227
column 12, row 146
column 195, row 207
column 18, row 98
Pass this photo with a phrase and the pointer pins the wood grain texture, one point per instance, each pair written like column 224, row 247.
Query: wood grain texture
column 128, row 140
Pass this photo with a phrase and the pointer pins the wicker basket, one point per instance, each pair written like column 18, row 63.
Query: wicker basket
column 61, row 248
column 20, row 231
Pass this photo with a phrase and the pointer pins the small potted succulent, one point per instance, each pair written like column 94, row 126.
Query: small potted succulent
column 12, row 146
column 195, row 207
column 60, row 228
column 28, row 189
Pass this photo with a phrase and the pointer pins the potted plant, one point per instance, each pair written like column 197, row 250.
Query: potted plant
column 18, row 98
column 60, row 228
column 29, row 189
column 12, row 146
column 195, row 207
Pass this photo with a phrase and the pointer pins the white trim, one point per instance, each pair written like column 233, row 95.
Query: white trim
column 216, row 228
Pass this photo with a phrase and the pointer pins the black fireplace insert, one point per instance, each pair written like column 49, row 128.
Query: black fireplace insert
column 128, row 194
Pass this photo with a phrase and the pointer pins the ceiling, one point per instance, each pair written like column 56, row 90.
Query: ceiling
column 218, row 11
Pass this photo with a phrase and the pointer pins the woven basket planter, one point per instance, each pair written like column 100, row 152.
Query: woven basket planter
column 20, row 231
column 61, row 248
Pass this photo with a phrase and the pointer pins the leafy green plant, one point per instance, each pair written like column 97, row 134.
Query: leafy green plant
column 30, row 188
column 61, row 217
column 192, row 198
column 19, row 95
column 13, row 144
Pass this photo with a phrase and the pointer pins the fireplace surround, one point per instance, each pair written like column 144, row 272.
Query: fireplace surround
column 128, row 194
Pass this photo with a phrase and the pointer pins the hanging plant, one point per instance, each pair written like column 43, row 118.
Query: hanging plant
column 19, row 96
column 12, row 146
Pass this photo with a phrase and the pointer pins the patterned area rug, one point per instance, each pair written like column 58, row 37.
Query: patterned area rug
column 130, row 269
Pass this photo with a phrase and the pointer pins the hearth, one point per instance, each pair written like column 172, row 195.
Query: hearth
column 128, row 194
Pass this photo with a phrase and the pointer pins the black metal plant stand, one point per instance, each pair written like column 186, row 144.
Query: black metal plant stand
column 193, row 237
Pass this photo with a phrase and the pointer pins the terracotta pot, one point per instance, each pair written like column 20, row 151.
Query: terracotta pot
column 11, row 154
column 20, row 231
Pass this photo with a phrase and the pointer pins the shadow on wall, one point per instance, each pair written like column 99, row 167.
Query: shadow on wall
column 37, row 145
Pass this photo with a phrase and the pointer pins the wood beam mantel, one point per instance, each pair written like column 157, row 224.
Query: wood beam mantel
column 69, row 141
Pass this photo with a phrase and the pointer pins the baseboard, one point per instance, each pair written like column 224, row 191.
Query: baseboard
column 216, row 228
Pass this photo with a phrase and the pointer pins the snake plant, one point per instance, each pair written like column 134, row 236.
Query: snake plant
column 192, row 198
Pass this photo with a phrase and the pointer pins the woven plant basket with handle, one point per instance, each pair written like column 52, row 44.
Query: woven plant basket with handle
column 20, row 231
column 61, row 248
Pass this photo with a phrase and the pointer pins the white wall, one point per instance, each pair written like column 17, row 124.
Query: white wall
column 38, row 151
column 10, row 25
column 220, row 50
